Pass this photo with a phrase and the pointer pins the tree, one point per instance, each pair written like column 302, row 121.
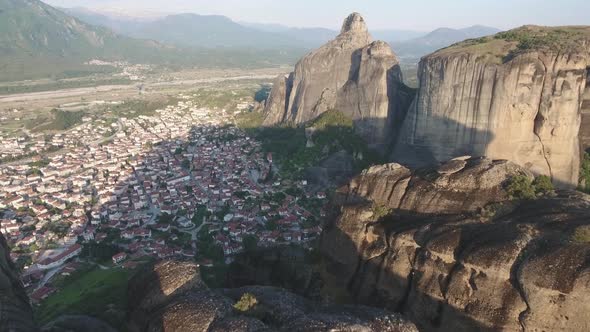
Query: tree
column 521, row 187
column 585, row 173
column 186, row 164
column 250, row 242
column 271, row 225
column 543, row 184
column 165, row 218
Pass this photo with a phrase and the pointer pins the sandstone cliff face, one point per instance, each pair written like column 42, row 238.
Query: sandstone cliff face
column 274, row 111
column 170, row 296
column 514, row 267
column 526, row 110
column 351, row 74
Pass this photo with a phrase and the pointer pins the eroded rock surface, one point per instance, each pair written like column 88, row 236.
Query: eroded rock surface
column 485, row 98
column 185, row 304
column 351, row 74
column 510, row 266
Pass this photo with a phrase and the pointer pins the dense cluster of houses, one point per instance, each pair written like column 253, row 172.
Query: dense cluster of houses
column 144, row 190
column 38, row 143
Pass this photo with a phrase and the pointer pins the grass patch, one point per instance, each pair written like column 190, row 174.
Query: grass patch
column 505, row 46
column 98, row 293
column 62, row 120
column 582, row 235
column 249, row 120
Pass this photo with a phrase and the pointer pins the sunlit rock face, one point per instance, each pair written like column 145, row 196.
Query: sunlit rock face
column 525, row 108
column 351, row 74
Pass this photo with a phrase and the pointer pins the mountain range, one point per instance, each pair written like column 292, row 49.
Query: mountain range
column 37, row 40
column 220, row 31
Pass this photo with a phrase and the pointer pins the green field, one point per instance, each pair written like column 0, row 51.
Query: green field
column 98, row 293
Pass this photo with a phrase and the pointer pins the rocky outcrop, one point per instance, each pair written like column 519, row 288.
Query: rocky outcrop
column 274, row 111
column 504, row 99
column 460, row 185
column 15, row 311
column 352, row 74
column 169, row 296
column 482, row 263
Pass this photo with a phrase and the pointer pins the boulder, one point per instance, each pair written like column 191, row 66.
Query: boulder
column 454, row 254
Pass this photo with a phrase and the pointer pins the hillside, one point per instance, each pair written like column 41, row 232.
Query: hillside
column 439, row 38
column 37, row 41
column 208, row 31
column 505, row 45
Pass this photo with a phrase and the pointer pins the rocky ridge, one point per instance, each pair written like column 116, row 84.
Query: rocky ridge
column 453, row 254
column 177, row 300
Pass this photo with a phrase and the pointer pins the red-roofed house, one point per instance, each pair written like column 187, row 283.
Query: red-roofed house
column 118, row 258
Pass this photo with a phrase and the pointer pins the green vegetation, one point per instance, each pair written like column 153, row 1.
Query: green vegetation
column 100, row 252
column 543, row 185
column 249, row 120
column 250, row 242
column 137, row 107
column 585, row 174
column 380, row 211
column 62, row 120
column 39, row 41
column 582, row 235
column 89, row 294
column 200, row 214
column 505, row 46
column 522, row 187
column 333, row 132
column 40, row 163
column 331, row 118
column 535, row 38
column 246, row 302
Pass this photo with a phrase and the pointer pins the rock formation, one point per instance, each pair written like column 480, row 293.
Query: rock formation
column 351, row 74
column 15, row 311
column 451, row 253
column 170, row 296
column 514, row 96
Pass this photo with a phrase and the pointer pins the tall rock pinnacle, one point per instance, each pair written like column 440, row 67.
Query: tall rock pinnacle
column 354, row 23
column 350, row 74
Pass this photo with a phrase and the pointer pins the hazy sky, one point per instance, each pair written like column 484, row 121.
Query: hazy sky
column 380, row 14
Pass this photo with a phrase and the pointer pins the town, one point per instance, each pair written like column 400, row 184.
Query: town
column 184, row 183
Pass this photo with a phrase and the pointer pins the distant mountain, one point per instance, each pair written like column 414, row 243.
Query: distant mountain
column 439, row 38
column 209, row 31
column 192, row 30
column 320, row 36
column 219, row 31
column 309, row 37
column 397, row 35
column 121, row 25
column 37, row 40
